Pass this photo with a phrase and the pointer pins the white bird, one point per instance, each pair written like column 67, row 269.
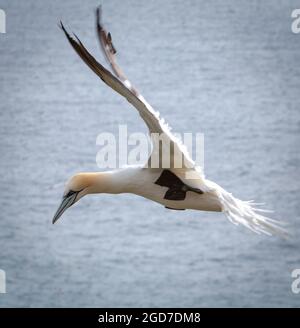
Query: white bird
column 172, row 187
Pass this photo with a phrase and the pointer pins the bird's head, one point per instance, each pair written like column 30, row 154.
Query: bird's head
column 76, row 187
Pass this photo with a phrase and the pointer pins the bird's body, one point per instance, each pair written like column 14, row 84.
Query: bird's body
column 175, row 187
column 141, row 181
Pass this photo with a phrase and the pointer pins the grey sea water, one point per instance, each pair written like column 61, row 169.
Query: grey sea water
column 229, row 69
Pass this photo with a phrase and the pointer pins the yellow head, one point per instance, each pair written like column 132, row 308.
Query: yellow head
column 77, row 187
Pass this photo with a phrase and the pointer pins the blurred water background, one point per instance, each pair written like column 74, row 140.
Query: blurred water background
column 229, row 69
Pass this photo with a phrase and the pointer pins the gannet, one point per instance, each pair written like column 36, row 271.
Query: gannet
column 172, row 187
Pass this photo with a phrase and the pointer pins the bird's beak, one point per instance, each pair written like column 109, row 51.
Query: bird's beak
column 67, row 201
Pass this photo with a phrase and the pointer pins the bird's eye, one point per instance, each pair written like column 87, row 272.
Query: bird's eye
column 70, row 193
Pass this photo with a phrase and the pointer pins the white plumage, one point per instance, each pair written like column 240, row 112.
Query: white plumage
column 173, row 187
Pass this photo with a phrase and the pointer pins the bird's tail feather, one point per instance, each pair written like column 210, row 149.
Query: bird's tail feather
column 246, row 214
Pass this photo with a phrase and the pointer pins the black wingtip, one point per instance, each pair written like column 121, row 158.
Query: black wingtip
column 67, row 33
column 99, row 11
column 61, row 25
column 77, row 38
column 98, row 16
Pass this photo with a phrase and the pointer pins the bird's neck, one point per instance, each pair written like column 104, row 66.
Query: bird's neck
column 111, row 182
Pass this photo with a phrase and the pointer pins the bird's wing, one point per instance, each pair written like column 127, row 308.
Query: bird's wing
column 107, row 46
column 155, row 123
